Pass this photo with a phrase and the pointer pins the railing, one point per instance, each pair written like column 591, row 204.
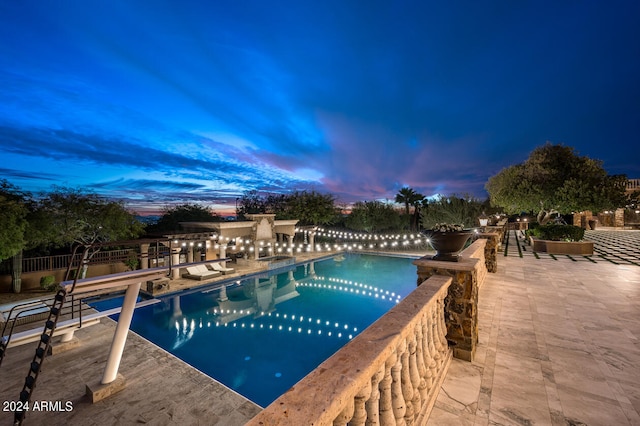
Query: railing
column 34, row 264
column 389, row 374
column 51, row 263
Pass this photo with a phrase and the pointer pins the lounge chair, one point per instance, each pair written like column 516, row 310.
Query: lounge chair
column 200, row 272
column 218, row 267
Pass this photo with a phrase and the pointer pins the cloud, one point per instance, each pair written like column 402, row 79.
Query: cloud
column 205, row 102
column 25, row 174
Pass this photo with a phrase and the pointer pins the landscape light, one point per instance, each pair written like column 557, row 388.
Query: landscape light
column 483, row 219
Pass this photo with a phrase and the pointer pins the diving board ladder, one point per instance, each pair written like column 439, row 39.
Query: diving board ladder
column 41, row 353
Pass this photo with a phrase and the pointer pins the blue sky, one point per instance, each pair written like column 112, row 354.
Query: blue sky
column 163, row 102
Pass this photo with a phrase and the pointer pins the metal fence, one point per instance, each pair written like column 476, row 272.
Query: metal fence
column 51, row 263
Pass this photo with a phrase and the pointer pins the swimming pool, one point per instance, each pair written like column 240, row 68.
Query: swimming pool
column 261, row 335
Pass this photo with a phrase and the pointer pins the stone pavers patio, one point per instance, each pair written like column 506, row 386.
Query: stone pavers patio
column 559, row 344
column 619, row 247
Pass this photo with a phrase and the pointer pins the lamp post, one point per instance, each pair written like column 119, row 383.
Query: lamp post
column 484, row 221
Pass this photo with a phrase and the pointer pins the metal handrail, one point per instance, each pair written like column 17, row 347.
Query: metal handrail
column 48, row 302
column 4, row 343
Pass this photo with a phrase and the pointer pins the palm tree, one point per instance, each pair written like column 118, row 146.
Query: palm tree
column 416, row 212
column 409, row 197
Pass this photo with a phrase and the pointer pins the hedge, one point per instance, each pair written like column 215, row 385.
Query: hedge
column 557, row 232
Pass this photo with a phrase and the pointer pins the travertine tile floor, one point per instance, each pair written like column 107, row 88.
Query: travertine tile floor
column 559, row 344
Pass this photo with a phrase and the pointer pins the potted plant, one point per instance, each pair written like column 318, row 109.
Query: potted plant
column 447, row 240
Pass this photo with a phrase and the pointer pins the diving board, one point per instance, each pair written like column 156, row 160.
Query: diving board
column 112, row 281
column 68, row 327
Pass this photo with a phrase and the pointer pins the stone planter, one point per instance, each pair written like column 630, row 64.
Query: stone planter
column 583, row 248
column 448, row 244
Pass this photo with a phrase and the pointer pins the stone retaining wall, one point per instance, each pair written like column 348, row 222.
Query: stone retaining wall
column 490, row 250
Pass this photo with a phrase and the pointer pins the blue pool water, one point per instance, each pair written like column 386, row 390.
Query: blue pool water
column 274, row 329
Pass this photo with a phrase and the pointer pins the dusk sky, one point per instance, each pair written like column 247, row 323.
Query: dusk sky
column 164, row 102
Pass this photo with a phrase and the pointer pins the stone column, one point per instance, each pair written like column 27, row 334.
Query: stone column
column 491, row 250
column 190, row 249
column 175, row 262
column 618, row 219
column 289, row 245
column 461, row 303
column 576, row 219
column 312, row 237
column 209, row 254
column 144, row 256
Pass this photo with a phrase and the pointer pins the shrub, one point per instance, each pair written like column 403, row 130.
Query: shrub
column 132, row 262
column 557, row 232
column 532, row 230
column 48, row 282
column 463, row 209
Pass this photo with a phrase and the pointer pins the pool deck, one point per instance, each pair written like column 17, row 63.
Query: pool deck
column 558, row 345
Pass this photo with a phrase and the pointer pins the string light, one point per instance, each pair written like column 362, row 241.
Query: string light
column 339, row 284
column 314, row 326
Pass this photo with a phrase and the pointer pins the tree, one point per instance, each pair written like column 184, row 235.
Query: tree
column 275, row 204
column 73, row 217
column 409, row 197
column 14, row 228
column 455, row 209
column 250, row 203
column 172, row 216
column 21, row 228
column 373, row 216
column 76, row 216
column 13, row 221
column 556, row 180
column 310, row 208
column 60, row 218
